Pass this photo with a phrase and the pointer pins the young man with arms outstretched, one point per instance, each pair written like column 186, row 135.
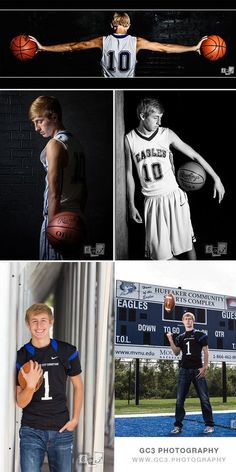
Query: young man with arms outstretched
column 119, row 49
column 191, row 343
column 46, row 426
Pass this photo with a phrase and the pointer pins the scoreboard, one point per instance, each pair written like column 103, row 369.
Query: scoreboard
column 142, row 322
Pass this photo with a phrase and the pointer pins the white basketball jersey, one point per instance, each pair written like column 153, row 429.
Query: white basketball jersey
column 152, row 157
column 72, row 175
column 119, row 55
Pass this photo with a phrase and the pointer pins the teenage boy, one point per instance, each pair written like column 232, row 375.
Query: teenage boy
column 168, row 226
column 191, row 343
column 63, row 161
column 119, row 49
column 46, row 426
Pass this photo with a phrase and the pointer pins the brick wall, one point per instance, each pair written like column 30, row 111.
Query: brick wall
column 174, row 26
column 20, row 180
column 22, row 175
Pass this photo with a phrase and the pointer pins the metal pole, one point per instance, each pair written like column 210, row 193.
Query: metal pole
column 129, row 388
column 136, row 381
column 224, row 382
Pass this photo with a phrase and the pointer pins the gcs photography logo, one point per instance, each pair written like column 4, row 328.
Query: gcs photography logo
column 89, row 459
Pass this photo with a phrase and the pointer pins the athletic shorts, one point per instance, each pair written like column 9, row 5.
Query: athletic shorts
column 168, row 225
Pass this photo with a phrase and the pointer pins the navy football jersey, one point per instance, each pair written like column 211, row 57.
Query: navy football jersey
column 48, row 409
column 191, row 344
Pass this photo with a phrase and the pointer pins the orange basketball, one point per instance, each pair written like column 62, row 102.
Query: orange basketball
column 66, row 230
column 213, row 48
column 21, row 379
column 23, row 47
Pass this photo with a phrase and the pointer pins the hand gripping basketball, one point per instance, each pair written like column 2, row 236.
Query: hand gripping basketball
column 27, row 367
column 23, row 48
column 66, row 230
column 213, row 47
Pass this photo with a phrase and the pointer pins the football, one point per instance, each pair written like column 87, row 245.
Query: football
column 21, row 380
column 169, row 302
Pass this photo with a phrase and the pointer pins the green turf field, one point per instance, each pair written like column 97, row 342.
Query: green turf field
column 168, row 405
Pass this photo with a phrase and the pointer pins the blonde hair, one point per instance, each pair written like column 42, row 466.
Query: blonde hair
column 45, row 106
column 188, row 313
column 36, row 309
column 121, row 19
column 147, row 105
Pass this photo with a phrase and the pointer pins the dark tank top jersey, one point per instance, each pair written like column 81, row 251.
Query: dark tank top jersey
column 47, row 409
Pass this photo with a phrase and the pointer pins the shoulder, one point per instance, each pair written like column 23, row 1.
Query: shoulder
column 200, row 336
column 179, row 339
column 65, row 349
column 22, row 357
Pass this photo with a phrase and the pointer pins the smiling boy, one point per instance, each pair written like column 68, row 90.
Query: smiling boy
column 46, row 426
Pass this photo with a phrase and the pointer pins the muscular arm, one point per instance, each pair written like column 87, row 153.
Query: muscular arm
column 72, row 46
column 133, row 212
column 181, row 146
column 78, row 391
column 167, row 48
column 56, row 157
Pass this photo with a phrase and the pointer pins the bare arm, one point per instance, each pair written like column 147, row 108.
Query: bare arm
column 70, row 47
column 133, row 212
column 181, row 146
column 56, row 157
column 24, row 396
column 167, row 48
column 202, row 370
column 176, row 350
column 77, row 403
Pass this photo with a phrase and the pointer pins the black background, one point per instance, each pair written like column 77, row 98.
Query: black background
column 66, row 71
column 206, row 121
column 88, row 115
column 167, row 26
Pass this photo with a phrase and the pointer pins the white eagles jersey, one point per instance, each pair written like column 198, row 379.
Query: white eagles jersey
column 119, row 55
column 72, row 175
column 152, row 157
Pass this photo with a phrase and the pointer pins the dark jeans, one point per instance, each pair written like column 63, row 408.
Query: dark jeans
column 186, row 376
column 34, row 443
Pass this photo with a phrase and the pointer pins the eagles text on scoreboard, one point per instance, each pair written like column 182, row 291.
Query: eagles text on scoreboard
column 142, row 322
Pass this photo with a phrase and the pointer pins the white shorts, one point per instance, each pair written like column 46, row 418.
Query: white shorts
column 168, row 225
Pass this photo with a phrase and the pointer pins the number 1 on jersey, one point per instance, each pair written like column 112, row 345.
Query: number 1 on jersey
column 46, row 385
column 188, row 353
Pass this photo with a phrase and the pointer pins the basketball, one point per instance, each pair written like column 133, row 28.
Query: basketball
column 23, row 47
column 21, row 379
column 213, row 48
column 169, row 302
column 191, row 176
column 66, row 230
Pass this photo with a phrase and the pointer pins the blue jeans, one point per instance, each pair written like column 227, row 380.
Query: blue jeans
column 186, row 376
column 34, row 443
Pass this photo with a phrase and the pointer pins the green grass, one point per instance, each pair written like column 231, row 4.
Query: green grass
column 168, row 405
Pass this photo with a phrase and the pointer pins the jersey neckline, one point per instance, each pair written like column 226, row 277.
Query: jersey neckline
column 120, row 36
column 147, row 138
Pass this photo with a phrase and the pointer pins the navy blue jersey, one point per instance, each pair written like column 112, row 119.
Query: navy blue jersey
column 48, row 409
column 191, row 344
